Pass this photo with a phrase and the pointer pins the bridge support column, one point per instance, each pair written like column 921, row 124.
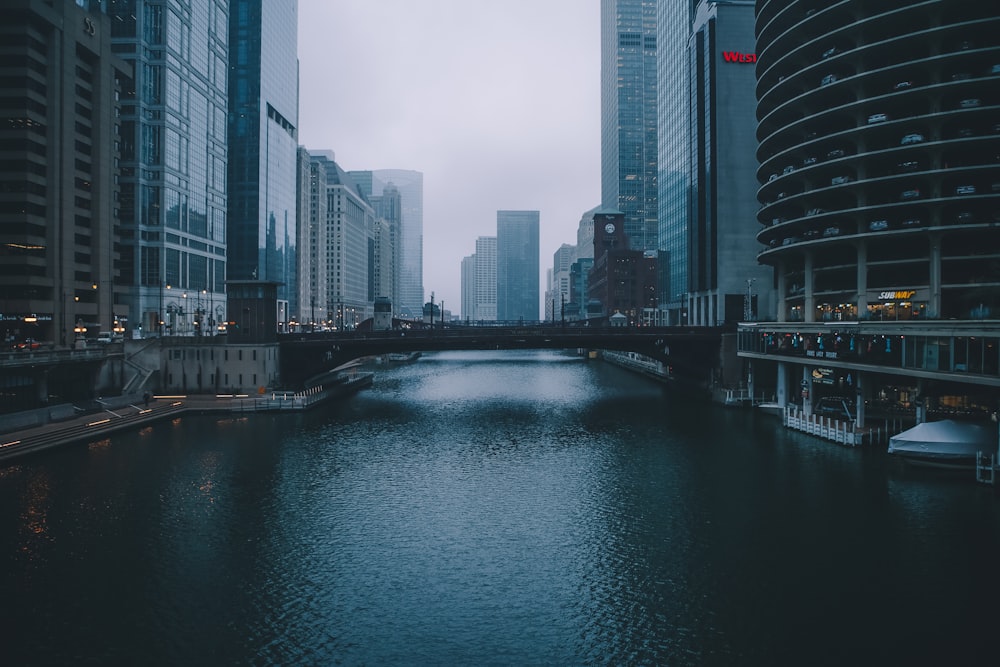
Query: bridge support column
column 807, row 394
column 859, row 408
column 781, row 384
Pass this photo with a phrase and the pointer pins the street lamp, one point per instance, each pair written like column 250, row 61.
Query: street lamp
column 159, row 316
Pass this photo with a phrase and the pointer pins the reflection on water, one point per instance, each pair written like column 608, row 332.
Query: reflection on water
column 504, row 508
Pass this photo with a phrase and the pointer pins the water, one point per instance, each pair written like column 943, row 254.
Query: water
column 505, row 508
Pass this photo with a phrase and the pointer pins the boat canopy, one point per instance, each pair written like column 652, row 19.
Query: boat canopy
column 945, row 438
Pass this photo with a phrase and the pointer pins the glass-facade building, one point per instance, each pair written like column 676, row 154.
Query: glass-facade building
column 628, row 116
column 263, row 146
column 517, row 265
column 673, row 29
column 173, row 161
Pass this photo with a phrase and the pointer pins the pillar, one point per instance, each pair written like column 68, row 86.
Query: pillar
column 859, row 405
column 934, row 301
column 809, row 307
column 806, row 386
column 862, row 280
column 781, row 384
column 781, row 305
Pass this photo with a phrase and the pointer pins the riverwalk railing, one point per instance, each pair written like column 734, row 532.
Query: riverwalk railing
column 837, row 430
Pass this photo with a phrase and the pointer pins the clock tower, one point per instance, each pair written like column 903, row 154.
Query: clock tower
column 609, row 232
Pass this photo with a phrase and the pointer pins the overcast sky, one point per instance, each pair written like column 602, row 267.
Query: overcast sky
column 497, row 102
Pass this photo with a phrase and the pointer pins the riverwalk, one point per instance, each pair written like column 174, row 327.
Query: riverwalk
column 97, row 425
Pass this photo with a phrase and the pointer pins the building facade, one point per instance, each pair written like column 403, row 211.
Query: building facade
column 262, row 229
column 173, row 162
column 622, row 280
column 517, row 265
column 722, row 250
column 60, row 261
column 350, row 248
column 562, row 262
column 485, row 307
column 673, row 29
column 628, row 116
column 312, row 256
column 410, row 246
column 880, row 203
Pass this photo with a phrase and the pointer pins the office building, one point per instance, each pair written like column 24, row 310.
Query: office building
column 673, row 156
column 263, row 147
column 387, row 203
column 468, row 286
column 60, row 265
column 410, row 251
column 479, row 282
column 880, row 203
column 726, row 284
column 350, row 247
column 312, row 255
column 559, row 287
column 173, row 162
column 517, row 265
column 628, row 116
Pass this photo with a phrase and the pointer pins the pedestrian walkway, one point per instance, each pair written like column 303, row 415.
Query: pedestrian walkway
column 100, row 424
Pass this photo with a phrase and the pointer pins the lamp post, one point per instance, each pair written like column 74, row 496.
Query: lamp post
column 159, row 316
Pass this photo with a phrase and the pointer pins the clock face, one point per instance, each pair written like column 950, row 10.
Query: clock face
column 609, row 228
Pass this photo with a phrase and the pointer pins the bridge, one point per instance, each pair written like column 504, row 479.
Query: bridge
column 689, row 351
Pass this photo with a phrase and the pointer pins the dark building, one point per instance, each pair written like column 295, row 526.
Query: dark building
column 880, row 201
column 621, row 280
column 59, row 150
column 253, row 311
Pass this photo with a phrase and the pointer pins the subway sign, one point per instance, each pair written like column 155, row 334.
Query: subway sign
column 737, row 57
column 900, row 295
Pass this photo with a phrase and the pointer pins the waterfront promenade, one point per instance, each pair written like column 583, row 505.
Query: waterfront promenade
column 98, row 424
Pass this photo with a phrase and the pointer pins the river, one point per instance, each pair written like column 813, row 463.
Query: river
column 479, row 508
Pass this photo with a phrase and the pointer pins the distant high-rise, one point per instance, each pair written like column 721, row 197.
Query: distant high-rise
column 562, row 263
column 628, row 117
column 173, row 161
column 517, row 265
column 350, row 247
column 411, row 233
column 387, row 202
column 263, row 145
column 59, row 192
column 312, row 244
column 468, row 286
column 486, row 279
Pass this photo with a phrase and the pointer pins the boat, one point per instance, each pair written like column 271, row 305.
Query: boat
column 944, row 444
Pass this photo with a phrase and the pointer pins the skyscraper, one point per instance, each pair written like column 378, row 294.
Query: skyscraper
column 312, row 244
column 59, row 149
column 173, row 162
column 517, row 265
column 350, row 246
column 722, row 245
column 673, row 30
column 411, row 232
column 486, row 279
column 263, row 144
column 628, row 117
